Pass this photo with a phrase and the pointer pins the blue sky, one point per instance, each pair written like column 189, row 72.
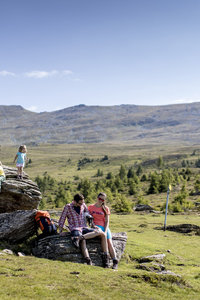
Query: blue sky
column 60, row 53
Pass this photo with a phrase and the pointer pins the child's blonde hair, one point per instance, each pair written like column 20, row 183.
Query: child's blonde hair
column 22, row 147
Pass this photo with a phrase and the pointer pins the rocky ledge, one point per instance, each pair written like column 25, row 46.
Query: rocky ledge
column 17, row 226
column 18, row 194
column 60, row 248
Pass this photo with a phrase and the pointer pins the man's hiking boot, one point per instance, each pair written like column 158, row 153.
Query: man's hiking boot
column 115, row 264
column 88, row 261
column 75, row 241
column 105, row 260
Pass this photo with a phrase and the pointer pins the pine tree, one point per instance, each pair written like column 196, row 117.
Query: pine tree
column 154, row 184
column 85, row 187
column 131, row 173
column 122, row 172
column 109, row 175
column 160, row 162
column 139, row 170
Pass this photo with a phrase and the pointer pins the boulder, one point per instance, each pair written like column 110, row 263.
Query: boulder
column 12, row 172
column 150, row 258
column 18, row 194
column 17, row 226
column 60, row 248
column 151, row 267
column 143, row 207
column 154, row 264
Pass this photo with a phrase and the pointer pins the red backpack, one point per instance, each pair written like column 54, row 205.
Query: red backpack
column 44, row 222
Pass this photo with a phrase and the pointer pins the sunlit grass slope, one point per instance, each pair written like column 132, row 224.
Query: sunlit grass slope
column 32, row 278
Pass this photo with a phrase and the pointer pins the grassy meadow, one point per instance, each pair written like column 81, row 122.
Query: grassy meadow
column 33, row 278
column 61, row 160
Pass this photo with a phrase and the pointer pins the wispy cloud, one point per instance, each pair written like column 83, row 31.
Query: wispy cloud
column 41, row 74
column 6, row 73
column 44, row 74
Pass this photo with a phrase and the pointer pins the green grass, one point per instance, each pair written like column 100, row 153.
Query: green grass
column 32, row 278
column 54, row 159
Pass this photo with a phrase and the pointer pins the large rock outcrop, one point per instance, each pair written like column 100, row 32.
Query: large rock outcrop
column 60, row 248
column 18, row 194
column 19, row 200
column 17, row 226
column 143, row 207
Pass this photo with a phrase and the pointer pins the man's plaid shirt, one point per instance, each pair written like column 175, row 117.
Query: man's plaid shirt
column 75, row 221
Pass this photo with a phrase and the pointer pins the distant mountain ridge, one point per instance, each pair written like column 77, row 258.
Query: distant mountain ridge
column 94, row 124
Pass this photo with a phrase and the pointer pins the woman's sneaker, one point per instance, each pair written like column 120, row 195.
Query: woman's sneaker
column 115, row 264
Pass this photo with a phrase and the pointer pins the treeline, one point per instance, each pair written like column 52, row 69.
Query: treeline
column 129, row 186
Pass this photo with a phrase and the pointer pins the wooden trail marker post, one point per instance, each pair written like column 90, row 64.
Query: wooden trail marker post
column 168, row 191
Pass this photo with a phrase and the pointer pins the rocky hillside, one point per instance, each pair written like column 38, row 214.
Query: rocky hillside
column 94, row 124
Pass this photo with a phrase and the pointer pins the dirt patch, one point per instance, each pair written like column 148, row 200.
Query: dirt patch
column 182, row 228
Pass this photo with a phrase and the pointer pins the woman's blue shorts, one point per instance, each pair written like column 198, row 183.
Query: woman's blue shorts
column 109, row 235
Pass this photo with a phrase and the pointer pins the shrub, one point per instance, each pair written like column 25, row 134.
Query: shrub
column 104, row 158
column 197, row 163
column 99, row 173
column 84, row 161
column 100, row 185
column 132, row 188
column 144, row 177
column 85, row 187
column 122, row 172
column 139, row 170
column 181, row 197
column 176, row 207
column 131, row 173
column 122, row 205
column 119, row 184
column 109, row 175
column 61, row 197
column 154, row 184
column 160, row 162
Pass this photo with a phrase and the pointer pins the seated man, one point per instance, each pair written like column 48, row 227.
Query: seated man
column 74, row 212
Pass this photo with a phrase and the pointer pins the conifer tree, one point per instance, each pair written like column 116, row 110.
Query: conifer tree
column 122, row 172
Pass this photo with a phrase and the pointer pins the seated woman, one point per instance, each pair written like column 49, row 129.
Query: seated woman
column 101, row 213
column 2, row 175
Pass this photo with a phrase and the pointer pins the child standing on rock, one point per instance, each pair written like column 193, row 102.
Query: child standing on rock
column 2, row 175
column 21, row 158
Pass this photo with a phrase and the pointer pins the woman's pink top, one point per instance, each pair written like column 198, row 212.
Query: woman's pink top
column 98, row 214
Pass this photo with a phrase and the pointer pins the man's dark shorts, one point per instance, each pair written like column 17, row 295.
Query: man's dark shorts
column 79, row 233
